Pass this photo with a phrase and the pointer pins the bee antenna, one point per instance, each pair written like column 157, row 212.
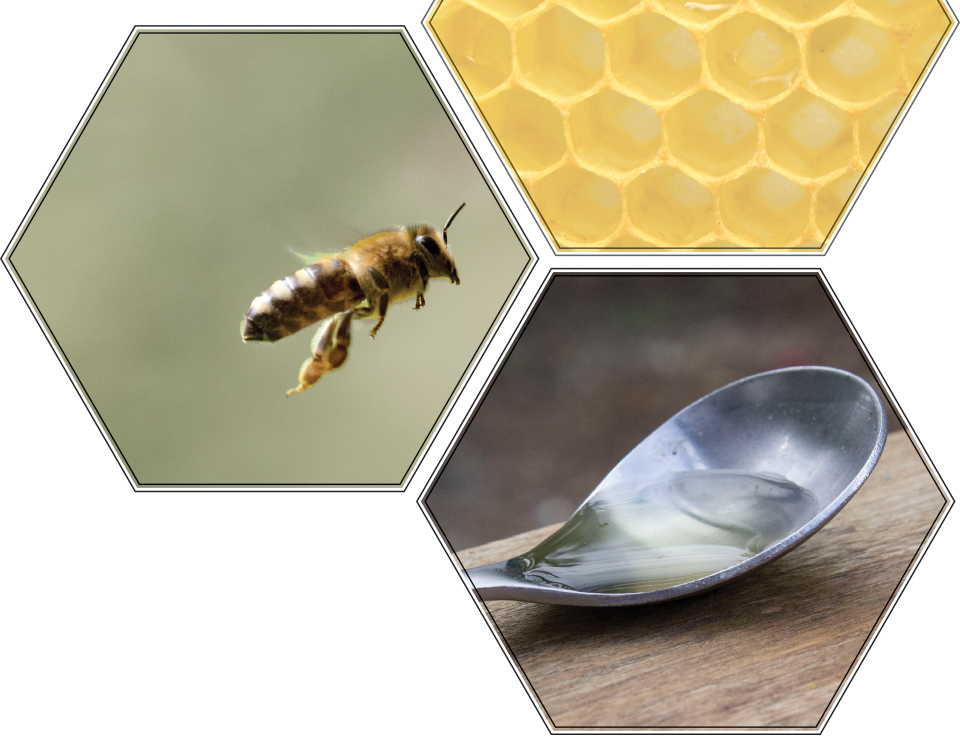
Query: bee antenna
column 450, row 221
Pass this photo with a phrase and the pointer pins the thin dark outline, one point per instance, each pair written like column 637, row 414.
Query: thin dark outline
column 905, row 107
column 406, row 37
column 828, row 238
column 882, row 616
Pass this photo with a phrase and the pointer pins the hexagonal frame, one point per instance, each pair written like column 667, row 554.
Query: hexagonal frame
column 714, row 248
column 468, row 146
column 948, row 502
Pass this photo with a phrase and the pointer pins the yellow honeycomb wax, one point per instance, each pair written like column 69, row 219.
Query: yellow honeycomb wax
column 611, row 131
column 753, row 56
column 711, row 134
column 650, row 124
column 808, row 135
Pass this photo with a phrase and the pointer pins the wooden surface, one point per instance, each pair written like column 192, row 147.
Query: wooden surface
column 769, row 650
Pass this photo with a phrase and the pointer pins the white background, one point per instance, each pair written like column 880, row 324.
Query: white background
column 138, row 616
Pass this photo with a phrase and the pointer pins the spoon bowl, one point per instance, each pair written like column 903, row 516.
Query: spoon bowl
column 733, row 481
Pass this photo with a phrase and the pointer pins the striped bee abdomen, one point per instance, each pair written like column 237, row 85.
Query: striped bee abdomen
column 326, row 287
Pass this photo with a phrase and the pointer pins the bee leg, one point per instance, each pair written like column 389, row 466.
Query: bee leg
column 377, row 292
column 424, row 277
column 330, row 346
column 384, row 303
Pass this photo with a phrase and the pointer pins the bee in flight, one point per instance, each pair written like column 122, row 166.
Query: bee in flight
column 360, row 282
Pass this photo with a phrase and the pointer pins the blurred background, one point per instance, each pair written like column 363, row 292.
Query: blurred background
column 602, row 363
column 210, row 161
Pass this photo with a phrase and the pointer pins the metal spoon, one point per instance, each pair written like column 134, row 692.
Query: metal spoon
column 735, row 480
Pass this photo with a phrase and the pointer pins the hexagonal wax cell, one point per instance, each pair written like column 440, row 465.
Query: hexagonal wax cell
column 765, row 207
column 711, row 134
column 578, row 205
column 610, row 130
column 559, row 53
column 528, row 127
column 478, row 45
column 752, row 56
column 654, row 55
column 807, row 135
column 853, row 59
column 670, row 206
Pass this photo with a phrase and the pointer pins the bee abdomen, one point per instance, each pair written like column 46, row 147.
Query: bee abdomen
column 324, row 288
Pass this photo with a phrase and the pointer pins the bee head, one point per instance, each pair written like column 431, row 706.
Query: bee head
column 433, row 245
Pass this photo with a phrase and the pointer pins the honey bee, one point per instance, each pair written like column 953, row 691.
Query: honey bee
column 363, row 281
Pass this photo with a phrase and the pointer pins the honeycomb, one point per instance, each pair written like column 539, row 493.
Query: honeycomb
column 665, row 123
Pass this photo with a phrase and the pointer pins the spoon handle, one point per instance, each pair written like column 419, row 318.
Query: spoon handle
column 493, row 582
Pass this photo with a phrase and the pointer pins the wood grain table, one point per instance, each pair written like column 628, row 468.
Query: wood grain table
column 772, row 650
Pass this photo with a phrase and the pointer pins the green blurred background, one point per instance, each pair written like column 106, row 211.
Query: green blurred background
column 604, row 361
column 210, row 160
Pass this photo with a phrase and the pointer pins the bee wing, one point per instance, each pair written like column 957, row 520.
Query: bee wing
column 341, row 241
column 310, row 258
